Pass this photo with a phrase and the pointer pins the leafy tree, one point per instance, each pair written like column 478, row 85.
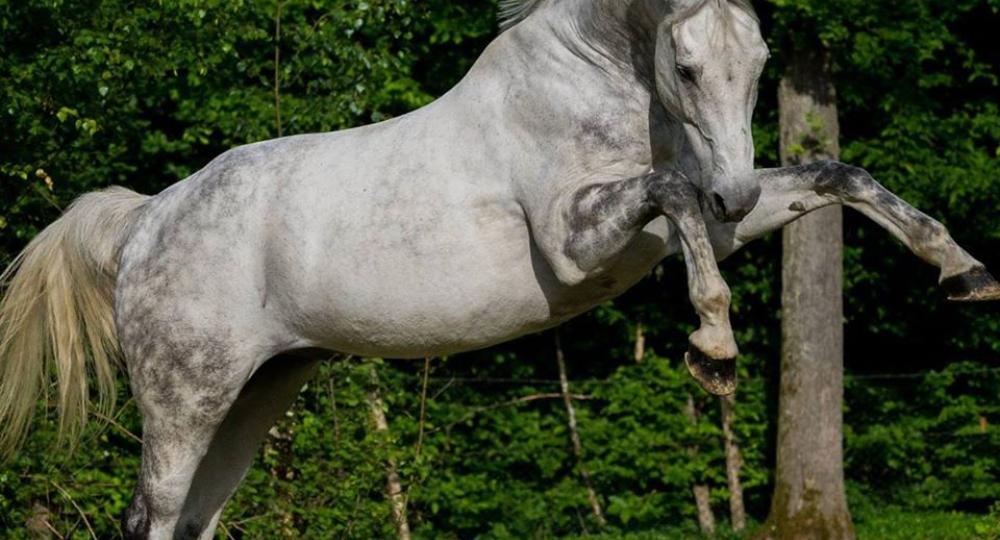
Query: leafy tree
column 109, row 92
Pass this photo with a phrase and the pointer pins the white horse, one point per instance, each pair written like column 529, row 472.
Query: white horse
column 591, row 139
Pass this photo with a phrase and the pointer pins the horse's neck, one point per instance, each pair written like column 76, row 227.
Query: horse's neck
column 592, row 43
column 556, row 79
column 619, row 32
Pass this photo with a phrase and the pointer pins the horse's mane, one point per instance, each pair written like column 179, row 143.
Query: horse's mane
column 745, row 5
column 515, row 11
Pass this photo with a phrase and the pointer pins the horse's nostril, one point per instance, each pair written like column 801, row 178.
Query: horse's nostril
column 720, row 204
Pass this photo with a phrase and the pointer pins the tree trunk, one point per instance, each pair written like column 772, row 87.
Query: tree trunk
column 809, row 501
column 706, row 519
column 702, row 500
column 574, row 434
column 639, row 352
column 734, row 462
column 393, row 486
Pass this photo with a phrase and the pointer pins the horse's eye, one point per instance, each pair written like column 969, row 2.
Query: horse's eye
column 686, row 73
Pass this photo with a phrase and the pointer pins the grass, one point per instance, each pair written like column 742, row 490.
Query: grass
column 897, row 524
column 886, row 523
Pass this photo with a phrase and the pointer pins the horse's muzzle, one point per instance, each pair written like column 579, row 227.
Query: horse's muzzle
column 732, row 205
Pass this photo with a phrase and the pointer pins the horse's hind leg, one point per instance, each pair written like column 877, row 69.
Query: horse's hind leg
column 263, row 400
column 182, row 403
column 185, row 389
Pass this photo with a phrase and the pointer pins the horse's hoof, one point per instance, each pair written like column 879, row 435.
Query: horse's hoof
column 976, row 285
column 716, row 376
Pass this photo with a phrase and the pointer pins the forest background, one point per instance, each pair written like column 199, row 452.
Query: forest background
column 142, row 94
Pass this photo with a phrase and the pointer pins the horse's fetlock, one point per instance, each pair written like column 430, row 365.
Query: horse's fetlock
column 935, row 233
column 715, row 297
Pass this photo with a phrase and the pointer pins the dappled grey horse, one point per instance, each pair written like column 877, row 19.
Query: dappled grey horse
column 591, row 139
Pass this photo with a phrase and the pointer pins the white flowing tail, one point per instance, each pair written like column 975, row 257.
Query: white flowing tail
column 57, row 316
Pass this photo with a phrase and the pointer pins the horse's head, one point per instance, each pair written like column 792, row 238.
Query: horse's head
column 709, row 55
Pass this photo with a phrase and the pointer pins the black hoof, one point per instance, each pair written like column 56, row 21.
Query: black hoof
column 976, row 285
column 716, row 376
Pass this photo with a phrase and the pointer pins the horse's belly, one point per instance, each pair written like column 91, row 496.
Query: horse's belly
column 398, row 299
column 447, row 323
column 431, row 299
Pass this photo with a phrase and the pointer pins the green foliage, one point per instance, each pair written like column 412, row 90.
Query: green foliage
column 102, row 92
column 989, row 529
column 106, row 92
column 901, row 525
column 938, row 451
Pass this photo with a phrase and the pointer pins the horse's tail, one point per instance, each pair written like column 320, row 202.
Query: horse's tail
column 58, row 312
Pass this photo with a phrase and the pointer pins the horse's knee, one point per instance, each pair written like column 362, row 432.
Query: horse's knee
column 673, row 192
column 841, row 179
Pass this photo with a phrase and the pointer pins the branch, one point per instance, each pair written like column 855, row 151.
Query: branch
column 423, row 405
column 277, row 67
column 111, row 421
column 517, row 401
column 393, row 486
column 78, row 509
column 595, row 503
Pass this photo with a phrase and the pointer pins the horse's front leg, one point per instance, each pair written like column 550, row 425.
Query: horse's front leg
column 791, row 192
column 605, row 217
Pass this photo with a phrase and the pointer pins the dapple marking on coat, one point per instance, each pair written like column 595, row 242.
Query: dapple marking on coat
column 590, row 140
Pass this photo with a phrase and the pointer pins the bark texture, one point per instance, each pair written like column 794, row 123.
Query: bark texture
column 702, row 500
column 393, row 486
column 734, row 462
column 639, row 352
column 809, row 501
column 574, row 434
column 702, row 493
